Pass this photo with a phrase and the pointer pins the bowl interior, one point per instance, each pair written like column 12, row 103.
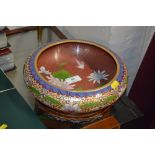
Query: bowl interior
column 76, row 66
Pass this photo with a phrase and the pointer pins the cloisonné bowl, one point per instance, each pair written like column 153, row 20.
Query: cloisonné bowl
column 75, row 76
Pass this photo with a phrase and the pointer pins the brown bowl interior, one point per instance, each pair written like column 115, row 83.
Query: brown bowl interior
column 64, row 57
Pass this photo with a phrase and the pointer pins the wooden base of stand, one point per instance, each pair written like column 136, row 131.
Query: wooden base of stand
column 59, row 120
column 109, row 122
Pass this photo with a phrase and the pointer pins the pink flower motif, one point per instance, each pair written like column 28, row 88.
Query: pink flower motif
column 59, row 83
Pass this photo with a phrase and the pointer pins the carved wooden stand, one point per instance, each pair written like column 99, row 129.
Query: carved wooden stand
column 101, row 119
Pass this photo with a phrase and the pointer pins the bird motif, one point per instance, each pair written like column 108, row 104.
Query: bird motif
column 80, row 64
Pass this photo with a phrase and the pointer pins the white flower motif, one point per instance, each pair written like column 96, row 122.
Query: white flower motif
column 72, row 108
column 43, row 70
column 80, row 64
column 97, row 76
column 59, row 83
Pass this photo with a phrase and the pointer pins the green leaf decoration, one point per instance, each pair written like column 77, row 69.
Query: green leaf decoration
column 62, row 74
column 89, row 105
column 52, row 100
column 95, row 104
column 35, row 91
column 110, row 98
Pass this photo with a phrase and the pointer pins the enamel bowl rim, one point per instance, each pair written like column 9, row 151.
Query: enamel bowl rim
column 103, row 48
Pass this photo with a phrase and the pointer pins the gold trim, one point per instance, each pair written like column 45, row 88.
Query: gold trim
column 86, row 42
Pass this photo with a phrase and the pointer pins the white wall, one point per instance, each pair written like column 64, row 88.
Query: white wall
column 130, row 43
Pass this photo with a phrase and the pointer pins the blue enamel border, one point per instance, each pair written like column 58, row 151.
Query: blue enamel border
column 69, row 93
